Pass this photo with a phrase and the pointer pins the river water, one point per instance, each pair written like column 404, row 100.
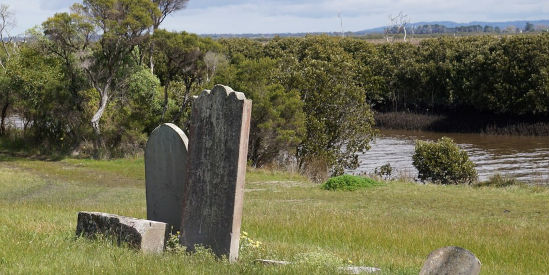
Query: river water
column 15, row 121
column 525, row 158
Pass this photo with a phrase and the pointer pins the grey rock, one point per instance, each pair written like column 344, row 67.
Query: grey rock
column 165, row 173
column 272, row 262
column 147, row 236
column 451, row 260
column 213, row 200
column 358, row 269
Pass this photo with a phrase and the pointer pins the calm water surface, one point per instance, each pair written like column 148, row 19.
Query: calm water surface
column 15, row 121
column 526, row 158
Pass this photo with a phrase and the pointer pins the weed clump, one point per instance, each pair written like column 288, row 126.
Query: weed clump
column 349, row 183
column 318, row 259
column 173, row 245
column 384, row 171
column 499, row 181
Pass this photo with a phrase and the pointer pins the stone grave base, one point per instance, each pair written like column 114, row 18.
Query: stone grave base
column 147, row 236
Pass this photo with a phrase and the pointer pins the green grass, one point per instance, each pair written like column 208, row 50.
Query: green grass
column 349, row 183
column 393, row 226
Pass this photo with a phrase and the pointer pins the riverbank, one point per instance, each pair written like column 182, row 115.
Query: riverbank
column 524, row 158
column 393, row 227
column 464, row 122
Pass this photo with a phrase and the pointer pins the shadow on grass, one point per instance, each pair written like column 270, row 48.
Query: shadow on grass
column 14, row 156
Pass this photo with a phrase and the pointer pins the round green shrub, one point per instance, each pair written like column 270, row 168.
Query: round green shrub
column 443, row 162
column 348, row 183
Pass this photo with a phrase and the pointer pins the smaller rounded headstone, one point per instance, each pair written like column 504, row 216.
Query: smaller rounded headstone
column 165, row 173
column 451, row 260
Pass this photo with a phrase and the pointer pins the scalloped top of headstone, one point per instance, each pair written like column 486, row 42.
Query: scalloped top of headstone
column 222, row 91
column 165, row 174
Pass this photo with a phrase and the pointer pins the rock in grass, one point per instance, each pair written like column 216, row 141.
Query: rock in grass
column 272, row 262
column 451, row 260
column 345, row 269
column 147, row 236
column 358, row 269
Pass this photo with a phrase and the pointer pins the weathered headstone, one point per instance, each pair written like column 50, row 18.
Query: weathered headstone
column 451, row 260
column 213, row 200
column 165, row 173
column 148, row 236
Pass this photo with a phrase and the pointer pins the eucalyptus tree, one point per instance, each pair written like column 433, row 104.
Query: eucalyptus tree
column 338, row 119
column 165, row 8
column 9, row 49
column 69, row 36
column 180, row 58
column 278, row 121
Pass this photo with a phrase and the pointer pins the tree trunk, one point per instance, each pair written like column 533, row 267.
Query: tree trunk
column 151, row 61
column 186, row 100
column 3, row 122
column 97, row 117
column 151, row 47
column 165, row 107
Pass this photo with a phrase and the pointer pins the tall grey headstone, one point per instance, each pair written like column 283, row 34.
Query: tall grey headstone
column 165, row 173
column 213, row 200
column 451, row 260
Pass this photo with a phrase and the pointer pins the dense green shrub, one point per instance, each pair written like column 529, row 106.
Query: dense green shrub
column 443, row 162
column 349, row 183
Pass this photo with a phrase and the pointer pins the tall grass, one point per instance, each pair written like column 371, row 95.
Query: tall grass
column 464, row 122
column 393, row 226
column 406, row 121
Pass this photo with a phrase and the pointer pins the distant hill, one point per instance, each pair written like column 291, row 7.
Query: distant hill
column 449, row 24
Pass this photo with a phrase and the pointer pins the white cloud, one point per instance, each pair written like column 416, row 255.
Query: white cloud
column 30, row 13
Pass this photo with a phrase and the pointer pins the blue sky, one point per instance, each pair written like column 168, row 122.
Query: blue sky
column 269, row 16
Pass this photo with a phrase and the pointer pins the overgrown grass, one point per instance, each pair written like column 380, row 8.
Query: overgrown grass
column 499, row 181
column 349, row 183
column 393, row 227
column 406, row 121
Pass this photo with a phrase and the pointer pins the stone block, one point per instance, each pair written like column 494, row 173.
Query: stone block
column 145, row 235
column 213, row 200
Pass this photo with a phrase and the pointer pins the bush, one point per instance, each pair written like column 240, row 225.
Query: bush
column 385, row 171
column 349, row 183
column 442, row 162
